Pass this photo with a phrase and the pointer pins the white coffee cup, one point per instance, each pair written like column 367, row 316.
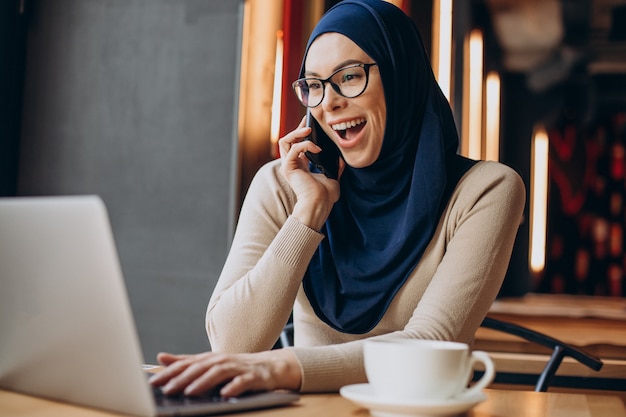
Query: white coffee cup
column 404, row 370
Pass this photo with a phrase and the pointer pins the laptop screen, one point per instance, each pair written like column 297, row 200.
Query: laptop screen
column 67, row 327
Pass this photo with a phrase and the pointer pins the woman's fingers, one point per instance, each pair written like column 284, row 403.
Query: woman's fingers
column 175, row 366
column 198, row 374
column 166, row 359
column 297, row 135
column 286, row 142
column 258, row 379
column 233, row 374
column 218, row 374
column 295, row 158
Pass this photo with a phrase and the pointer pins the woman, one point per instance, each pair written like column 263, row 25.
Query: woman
column 412, row 240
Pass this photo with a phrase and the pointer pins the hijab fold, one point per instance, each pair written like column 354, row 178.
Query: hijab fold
column 388, row 211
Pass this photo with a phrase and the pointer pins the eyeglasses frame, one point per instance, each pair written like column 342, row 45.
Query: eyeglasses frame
column 366, row 68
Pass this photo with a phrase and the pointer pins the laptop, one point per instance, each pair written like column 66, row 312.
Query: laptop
column 66, row 328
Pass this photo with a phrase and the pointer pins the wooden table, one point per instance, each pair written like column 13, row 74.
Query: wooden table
column 594, row 324
column 500, row 403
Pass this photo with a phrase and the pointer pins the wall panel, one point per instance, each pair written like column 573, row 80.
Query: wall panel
column 134, row 101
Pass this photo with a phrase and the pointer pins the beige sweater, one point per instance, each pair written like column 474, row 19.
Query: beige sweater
column 446, row 297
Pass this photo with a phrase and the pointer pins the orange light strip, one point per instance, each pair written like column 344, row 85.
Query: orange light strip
column 277, row 92
column 475, row 95
column 442, row 44
column 492, row 117
column 538, row 200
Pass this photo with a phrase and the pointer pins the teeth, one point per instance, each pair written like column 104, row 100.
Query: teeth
column 347, row 125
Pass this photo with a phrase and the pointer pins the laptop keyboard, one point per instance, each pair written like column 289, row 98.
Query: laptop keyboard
column 212, row 403
column 164, row 400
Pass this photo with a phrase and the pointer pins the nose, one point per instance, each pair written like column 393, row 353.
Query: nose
column 332, row 99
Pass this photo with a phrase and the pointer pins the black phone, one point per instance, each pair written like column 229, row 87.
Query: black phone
column 326, row 161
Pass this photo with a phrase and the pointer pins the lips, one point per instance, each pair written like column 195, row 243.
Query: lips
column 349, row 129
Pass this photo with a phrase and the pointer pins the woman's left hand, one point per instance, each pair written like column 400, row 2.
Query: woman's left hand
column 235, row 373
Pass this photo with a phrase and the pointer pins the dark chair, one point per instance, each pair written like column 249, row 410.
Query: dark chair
column 286, row 336
column 559, row 349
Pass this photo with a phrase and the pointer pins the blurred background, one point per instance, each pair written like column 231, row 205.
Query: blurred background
column 166, row 109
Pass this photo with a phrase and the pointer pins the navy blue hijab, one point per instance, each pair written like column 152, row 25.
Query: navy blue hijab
column 388, row 211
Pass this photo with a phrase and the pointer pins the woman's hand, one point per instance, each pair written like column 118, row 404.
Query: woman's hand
column 234, row 373
column 316, row 194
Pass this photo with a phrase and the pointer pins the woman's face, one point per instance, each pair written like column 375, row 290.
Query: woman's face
column 360, row 144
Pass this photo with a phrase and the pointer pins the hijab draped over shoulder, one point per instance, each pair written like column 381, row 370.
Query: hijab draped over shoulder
column 388, row 211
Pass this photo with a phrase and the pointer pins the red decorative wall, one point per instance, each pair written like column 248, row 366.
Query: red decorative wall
column 587, row 208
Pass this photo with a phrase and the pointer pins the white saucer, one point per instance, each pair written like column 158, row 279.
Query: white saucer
column 363, row 395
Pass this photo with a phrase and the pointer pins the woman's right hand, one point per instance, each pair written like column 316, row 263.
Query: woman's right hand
column 234, row 374
column 316, row 194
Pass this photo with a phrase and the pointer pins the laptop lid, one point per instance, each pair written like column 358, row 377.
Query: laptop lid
column 65, row 320
column 67, row 327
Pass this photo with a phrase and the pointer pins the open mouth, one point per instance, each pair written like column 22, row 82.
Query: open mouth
column 348, row 130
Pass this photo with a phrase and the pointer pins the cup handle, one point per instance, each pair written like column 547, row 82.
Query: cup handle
column 488, row 376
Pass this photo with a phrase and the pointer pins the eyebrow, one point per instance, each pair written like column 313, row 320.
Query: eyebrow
column 337, row 67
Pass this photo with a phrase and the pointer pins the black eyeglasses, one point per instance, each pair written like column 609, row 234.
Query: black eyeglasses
column 349, row 82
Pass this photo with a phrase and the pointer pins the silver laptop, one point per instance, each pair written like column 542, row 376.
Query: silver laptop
column 66, row 327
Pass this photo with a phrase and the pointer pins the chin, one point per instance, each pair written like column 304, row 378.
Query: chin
column 358, row 162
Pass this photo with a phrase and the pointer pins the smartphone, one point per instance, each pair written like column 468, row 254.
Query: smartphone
column 326, row 161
